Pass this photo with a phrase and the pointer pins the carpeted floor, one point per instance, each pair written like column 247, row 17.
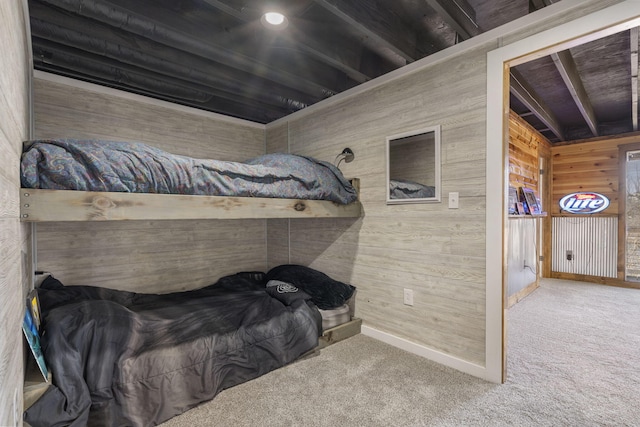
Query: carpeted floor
column 573, row 356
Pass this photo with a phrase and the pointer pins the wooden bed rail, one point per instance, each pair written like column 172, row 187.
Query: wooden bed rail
column 38, row 205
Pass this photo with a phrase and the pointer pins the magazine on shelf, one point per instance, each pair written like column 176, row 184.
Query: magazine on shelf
column 531, row 200
column 33, row 338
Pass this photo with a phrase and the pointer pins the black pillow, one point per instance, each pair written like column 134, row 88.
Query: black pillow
column 285, row 292
column 325, row 292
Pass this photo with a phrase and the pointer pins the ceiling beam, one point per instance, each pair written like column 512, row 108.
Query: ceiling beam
column 525, row 94
column 66, row 29
column 567, row 67
column 223, row 7
column 381, row 27
column 459, row 15
column 120, row 17
column 50, row 56
column 325, row 54
column 634, row 76
column 539, row 4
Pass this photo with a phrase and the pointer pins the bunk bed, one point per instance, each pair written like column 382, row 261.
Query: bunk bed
column 89, row 180
column 124, row 358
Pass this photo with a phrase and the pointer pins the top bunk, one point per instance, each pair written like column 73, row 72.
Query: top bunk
column 94, row 180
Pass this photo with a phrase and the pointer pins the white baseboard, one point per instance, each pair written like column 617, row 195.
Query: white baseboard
column 426, row 352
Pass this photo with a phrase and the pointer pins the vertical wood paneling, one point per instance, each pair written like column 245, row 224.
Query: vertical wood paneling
column 14, row 237
column 146, row 256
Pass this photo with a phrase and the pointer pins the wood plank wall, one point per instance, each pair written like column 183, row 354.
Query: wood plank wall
column 436, row 251
column 14, row 236
column 146, row 256
column 588, row 166
column 592, row 165
column 277, row 141
column 526, row 147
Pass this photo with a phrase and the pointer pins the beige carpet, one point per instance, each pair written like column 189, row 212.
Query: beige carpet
column 573, row 360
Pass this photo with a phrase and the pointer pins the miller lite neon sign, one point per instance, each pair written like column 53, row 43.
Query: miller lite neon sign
column 584, row 203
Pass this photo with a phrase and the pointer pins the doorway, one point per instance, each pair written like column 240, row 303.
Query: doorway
column 619, row 17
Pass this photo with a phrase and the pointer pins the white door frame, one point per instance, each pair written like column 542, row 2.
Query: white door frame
column 613, row 19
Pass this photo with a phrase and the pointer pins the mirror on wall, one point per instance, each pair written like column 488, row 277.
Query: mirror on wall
column 413, row 166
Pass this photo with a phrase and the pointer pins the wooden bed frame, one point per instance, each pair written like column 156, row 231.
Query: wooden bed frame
column 38, row 205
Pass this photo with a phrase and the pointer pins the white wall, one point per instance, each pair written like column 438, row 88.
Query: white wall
column 14, row 236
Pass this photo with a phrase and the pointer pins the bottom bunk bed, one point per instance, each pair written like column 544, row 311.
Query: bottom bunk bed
column 122, row 358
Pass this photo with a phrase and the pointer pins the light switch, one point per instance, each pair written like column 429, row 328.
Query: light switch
column 453, row 200
column 408, row 296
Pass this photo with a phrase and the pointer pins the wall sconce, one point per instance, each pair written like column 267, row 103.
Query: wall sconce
column 346, row 155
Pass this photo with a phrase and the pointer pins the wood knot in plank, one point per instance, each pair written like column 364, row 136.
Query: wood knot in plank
column 300, row 206
column 102, row 203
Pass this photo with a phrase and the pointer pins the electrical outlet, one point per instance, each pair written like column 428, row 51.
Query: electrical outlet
column 408, row 296
column 569, row 255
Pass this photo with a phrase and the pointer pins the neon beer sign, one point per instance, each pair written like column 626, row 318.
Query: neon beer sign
column 584, row 203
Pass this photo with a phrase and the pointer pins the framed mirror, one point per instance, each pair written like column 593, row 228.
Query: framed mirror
column 413, row 166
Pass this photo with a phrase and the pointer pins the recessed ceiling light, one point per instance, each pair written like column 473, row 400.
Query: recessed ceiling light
column 274, row 20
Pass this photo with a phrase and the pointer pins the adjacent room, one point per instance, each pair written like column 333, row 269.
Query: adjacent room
column 391, row 213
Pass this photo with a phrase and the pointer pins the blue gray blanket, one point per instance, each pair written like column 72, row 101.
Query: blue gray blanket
column 94, row 165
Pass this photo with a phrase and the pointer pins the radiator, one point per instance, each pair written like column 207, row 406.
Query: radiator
column 592, row 242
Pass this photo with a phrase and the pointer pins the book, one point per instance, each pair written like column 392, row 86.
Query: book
column 33, row 304
column 513, row 200
column 33, row 338
column 531, row 200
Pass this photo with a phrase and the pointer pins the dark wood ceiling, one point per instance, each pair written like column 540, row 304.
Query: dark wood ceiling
column 217, row 55
column 584, row 92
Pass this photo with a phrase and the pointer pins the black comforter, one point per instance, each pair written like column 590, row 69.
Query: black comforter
column 121, row 358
